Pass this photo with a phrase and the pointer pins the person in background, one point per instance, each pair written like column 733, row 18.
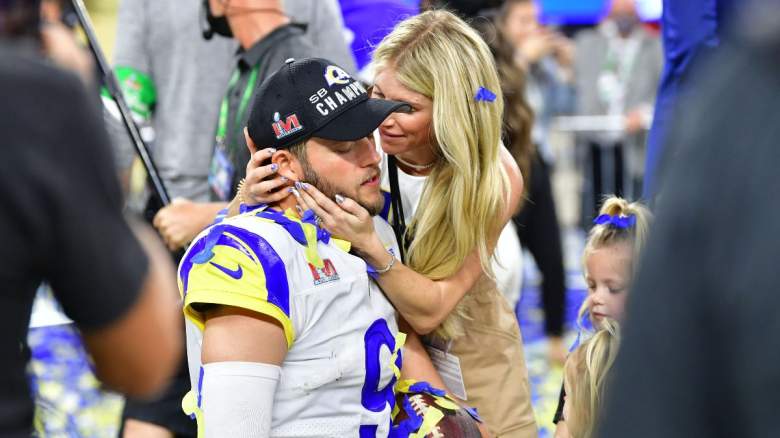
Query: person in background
column 547, row 58
column 699, row 354
column 691, row 30
column 61, row 222
column 174, row 80
column 535, row 67
column 56, row 39
column 617, row 67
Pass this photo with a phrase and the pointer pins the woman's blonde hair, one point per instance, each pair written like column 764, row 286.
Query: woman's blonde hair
column 586, row 372
column 463, row 201
column 607, row 234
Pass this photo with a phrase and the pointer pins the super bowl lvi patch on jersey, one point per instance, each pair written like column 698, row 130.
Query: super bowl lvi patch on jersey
column 325, row 274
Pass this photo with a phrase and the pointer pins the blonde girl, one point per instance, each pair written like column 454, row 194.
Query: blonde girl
column 611, row 256
column 610, row 260
column 458, row 187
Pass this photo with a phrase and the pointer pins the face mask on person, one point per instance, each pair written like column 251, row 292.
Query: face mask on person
column 214, row 24
column 625, row 23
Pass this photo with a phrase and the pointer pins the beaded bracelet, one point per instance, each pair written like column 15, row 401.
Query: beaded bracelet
column 240, row 191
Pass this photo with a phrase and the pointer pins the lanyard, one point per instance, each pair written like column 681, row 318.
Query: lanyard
column 399, row 222
column 620, row 60
column 223, row 108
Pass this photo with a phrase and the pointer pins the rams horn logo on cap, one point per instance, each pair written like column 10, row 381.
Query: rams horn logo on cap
column 335, row 75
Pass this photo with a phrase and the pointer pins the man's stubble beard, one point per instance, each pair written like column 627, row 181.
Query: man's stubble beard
column 327, row 189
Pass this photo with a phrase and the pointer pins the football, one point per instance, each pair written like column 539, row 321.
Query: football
column 455, row 422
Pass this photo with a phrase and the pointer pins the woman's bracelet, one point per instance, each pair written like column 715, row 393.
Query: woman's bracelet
column 389, row 265
column 245, row 205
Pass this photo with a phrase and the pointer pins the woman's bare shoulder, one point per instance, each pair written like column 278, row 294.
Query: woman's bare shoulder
column 516, row 184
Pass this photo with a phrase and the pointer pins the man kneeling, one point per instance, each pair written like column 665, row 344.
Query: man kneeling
column 286, row 333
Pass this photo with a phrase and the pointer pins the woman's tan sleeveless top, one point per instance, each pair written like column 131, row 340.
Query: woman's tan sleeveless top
column 493, row 364
column 490, row 351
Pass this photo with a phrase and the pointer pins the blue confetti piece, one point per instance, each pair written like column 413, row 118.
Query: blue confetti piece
column 473, row 412
column 243, row 208
column 309, row 216
column 372, row 272
column 410, row 425
column 211, row 241
column 221, row 216
column 426, row 387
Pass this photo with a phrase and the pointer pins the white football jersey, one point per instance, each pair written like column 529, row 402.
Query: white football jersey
column 343, row 341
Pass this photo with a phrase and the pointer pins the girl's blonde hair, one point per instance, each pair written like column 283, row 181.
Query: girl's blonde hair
column 586, row 370
column 608, row 234
column 439, row 56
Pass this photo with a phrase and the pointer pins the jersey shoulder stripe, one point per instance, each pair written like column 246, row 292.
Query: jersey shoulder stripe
column 233, row 266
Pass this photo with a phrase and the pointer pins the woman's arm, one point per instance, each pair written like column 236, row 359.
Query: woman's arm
column 423, row 302
column 561, row 430
column 417, row 363
column 516, row 185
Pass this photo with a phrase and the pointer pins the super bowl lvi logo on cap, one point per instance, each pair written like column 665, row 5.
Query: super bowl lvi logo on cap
column 335, row 75
column 313, row 97
column 289, row 126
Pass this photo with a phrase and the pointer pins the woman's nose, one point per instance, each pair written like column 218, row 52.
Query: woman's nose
column 388, row 122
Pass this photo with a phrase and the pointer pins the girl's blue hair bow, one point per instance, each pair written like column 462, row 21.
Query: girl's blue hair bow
column 616, row 221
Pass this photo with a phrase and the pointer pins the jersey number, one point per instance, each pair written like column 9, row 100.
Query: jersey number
column 374, row 398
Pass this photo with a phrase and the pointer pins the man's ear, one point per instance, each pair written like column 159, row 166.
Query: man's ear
column 289, row 166
column 250, row 144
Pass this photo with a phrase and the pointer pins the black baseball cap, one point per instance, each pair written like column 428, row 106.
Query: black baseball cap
column 314, row 97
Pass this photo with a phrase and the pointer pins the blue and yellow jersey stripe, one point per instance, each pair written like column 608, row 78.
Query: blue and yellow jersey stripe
column 235, row 267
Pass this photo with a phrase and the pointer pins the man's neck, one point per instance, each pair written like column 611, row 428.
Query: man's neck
column 285, row 204
column 249, row 28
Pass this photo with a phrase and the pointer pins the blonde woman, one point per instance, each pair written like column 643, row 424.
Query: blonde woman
column 458, row 187
column 586, row 376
